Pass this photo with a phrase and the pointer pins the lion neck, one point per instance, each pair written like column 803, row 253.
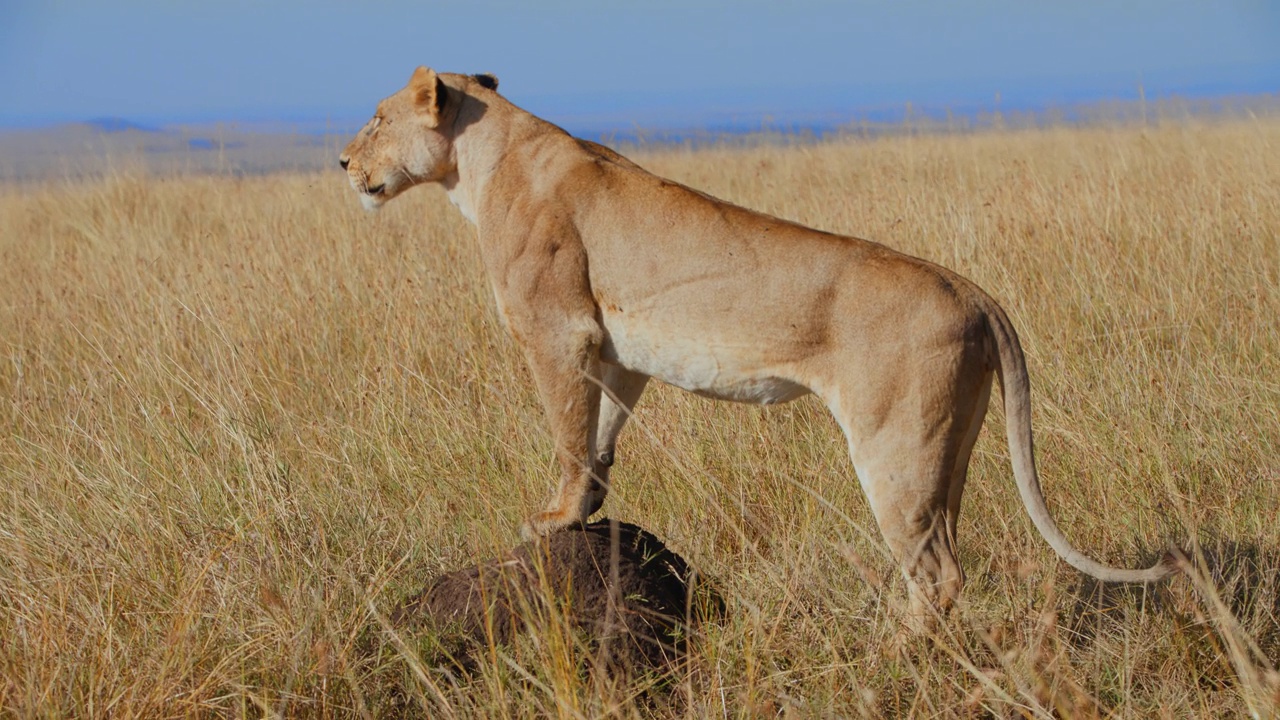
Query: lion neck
column 484, row 130
column 481, row 130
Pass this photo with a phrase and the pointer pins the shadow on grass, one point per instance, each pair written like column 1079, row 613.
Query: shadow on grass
column 1246, row 576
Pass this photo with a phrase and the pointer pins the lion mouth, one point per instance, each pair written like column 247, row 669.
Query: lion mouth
column 376, row 189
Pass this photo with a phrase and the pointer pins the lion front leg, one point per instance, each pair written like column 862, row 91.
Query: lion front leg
column 566, row 368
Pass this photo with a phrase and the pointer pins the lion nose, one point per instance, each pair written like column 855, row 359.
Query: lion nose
column 344, row 161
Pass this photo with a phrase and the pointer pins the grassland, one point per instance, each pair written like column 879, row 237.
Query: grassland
column 240, row 420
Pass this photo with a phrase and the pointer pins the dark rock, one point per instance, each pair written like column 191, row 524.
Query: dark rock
column 618, row 586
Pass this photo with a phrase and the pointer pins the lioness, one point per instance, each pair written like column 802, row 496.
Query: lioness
column 607, row 275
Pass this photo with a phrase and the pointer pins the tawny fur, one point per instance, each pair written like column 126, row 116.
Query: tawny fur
column 607, row 275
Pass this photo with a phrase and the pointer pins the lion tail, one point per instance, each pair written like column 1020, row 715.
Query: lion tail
column 1016, row 388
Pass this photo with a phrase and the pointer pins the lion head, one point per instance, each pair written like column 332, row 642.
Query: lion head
column 407, row 142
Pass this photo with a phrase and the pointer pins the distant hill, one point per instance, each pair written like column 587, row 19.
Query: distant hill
column 116, row 125
column 111, row 144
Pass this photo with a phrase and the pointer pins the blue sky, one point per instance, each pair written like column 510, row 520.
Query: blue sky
column 648, row 63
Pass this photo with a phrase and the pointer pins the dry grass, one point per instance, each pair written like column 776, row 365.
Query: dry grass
column 240, row 420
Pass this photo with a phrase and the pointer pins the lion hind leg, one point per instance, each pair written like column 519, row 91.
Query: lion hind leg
column 961, row 472
column 912, row 459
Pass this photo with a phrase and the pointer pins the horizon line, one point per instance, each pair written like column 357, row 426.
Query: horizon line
column 588, row 113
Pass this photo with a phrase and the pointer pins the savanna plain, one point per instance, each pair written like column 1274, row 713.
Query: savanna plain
column 241, row 420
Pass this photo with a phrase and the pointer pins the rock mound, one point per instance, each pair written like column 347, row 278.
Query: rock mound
column 615, row 584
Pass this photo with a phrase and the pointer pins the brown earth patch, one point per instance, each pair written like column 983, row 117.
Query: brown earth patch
column 617, row 586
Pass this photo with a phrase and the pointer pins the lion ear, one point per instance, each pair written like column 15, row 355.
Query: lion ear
column 487, row 80
column 429, row 93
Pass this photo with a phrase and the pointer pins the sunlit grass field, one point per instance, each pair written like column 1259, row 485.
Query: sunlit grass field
column 241, row 420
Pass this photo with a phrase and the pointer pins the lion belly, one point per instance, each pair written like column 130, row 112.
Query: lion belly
column 720, row 368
